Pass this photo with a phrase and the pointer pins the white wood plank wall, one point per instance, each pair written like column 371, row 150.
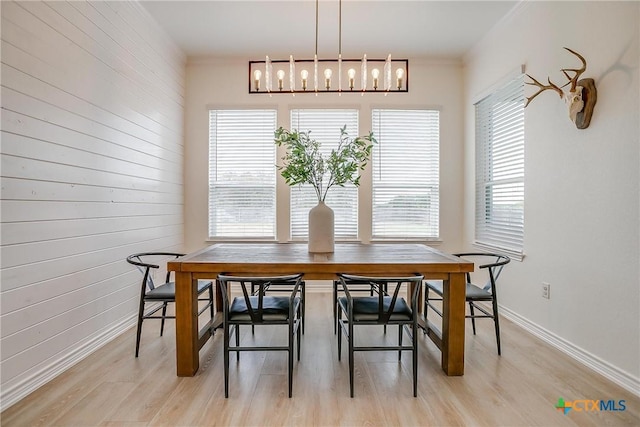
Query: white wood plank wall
column 92, row 171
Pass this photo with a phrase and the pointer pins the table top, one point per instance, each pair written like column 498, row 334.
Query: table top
column 355, row 258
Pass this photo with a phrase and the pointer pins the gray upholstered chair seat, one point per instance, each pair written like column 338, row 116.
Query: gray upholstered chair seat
column 473, row 292
column 273, row 308
column 366, row 308
column 168, row 290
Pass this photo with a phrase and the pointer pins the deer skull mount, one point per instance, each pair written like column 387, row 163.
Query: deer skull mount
column 580, row 98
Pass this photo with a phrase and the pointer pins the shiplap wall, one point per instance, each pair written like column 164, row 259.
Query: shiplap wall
column 92, row 153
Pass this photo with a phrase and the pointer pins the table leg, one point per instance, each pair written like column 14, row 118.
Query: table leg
column 187, row 351
column 453, row 322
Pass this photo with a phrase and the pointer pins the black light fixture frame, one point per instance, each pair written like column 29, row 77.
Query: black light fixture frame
column 253, row 65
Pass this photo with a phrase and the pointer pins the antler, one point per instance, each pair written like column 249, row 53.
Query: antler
column 542, row 88
column 578, row 71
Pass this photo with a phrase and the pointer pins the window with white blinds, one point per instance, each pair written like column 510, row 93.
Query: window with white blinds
column 500, row 168
column 325, row 125
column 406, row 188
column 242, row 174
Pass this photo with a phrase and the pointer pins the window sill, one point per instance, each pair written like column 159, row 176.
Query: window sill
column 213, row 240
column 336, row 240
column 408, row 240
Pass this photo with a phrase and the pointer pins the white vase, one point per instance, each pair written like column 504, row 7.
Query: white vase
column 321, row 228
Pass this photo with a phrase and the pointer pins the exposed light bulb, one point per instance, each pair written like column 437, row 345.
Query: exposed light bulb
column 304, row 75
column 327, row 78
column 280, row 75
column 256, row 76
column 352, row 75
column 375, row 73
column 399, row 75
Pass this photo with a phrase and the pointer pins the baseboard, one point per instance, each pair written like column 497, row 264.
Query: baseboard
column 612, row 373
column 14, row 393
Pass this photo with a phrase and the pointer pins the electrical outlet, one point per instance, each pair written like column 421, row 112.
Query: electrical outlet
column 546, row 290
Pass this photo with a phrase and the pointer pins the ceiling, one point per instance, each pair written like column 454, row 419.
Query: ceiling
column 252, row 29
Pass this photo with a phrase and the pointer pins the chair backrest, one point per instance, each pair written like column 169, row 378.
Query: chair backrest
column 262, row 283
column 386, row 287
column 494, row 263
column 143, row 263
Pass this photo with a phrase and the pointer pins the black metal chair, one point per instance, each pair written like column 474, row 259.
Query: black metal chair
column 493, row 263
column 385, row 308
column 161, row 295
column 257, row 309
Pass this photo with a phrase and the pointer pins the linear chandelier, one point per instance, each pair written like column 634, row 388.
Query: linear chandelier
column 263, row 80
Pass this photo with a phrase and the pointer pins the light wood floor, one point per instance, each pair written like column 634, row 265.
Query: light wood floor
column 113, row 388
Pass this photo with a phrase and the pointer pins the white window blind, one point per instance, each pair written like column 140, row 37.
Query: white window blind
column 325, row 127
column 242, row 172
column 406, row 189
column 500, row 168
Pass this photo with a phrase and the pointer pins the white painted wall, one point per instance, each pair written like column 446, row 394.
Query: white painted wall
column 222, row 83
column 92, row 171
column 581, row 186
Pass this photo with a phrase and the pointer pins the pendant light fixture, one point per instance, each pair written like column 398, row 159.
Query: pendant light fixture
column 328, row 73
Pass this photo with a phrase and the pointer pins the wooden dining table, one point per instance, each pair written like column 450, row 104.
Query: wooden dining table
column 375, row 259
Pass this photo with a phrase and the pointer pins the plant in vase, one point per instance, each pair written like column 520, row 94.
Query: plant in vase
column 305, row 164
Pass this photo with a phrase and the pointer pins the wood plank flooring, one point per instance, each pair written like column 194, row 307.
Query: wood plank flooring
column 520, row 388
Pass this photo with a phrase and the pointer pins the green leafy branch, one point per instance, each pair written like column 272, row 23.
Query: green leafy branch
column 305, row 164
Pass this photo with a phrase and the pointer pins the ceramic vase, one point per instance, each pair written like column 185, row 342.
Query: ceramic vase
column 321, row 237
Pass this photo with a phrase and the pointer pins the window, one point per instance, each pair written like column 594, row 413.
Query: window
column 242, row 180
column 325, row 127
column 406, row 191
column 500, row 168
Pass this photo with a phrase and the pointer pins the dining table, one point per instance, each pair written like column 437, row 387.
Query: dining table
column 373, row 259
